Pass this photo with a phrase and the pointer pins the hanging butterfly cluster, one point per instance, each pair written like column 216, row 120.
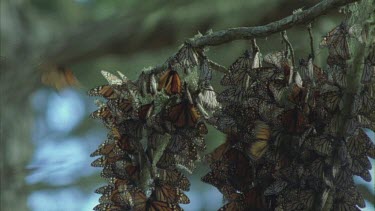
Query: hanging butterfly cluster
column 156, row 130
column 285, row 149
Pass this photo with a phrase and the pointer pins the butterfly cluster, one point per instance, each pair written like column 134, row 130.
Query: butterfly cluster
column 291, row 144
column 286, row 146
column 156, row 131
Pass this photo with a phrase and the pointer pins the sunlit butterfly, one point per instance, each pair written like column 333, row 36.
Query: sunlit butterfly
column 262, row 135
column 170, row 81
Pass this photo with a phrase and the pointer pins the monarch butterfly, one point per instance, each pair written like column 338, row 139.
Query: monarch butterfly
column 132, row 128
column 337, row 42
column 167, row 193
column 364, row 101
column 260, row 145
column 238, row 71
column 344, row 178
column 105, row 115
column 174, row 178
column 120, row 107
column 122, row 170
column 184, row 114
column 297, row 95
column 254, row 199
column 108, row 206
column 233, row 94
column 297, row 199
column 139, row 202
column 293, row 121
column 205, row 73
column 108, row 150
column 167, row 161
column 322, row 145
column 360, row 144
column 170, row 81
column 276, row 187
column 145, row 111
column 276, row 58
column 241, row 174
column 207, row 97
column 104, row 189
column 187, row 56
column 331, row 99
column 339, row 76
column 112, row 79
column 59, row 77
column 212, row 178
column 306, row 70
column 347, row 199
column 243, row 62
column 106, row 91
column 359, row 164
column 146, row 84
column 219, row 152
column 126, row 144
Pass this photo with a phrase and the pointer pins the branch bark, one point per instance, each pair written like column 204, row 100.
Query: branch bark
column 245, row 33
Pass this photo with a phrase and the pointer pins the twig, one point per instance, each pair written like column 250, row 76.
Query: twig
column 254, row 45
column 289, row 46
column 309, row 28
column 246, row 33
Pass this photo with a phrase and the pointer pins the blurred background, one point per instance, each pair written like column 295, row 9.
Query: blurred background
column 46, row 135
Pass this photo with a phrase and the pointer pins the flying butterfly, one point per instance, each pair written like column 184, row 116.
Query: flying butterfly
column 170, row 81
column 59, row 77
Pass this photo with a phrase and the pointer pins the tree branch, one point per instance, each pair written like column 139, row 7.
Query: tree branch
column 244, row 33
